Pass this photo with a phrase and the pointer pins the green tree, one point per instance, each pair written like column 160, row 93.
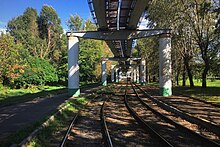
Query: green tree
column 148, row 48
column 75, row 23
column 194, row 26
column 25, row 30
column 42, row 37
column 50, row 31
column 11, row 64
column 37, row 72
column 199, row 14
column 91, row 51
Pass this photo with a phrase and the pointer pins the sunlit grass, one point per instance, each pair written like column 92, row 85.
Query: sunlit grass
column 210, row 94
column 11, row 96
column 57, row 128
column 198, row 82
column 60, row 122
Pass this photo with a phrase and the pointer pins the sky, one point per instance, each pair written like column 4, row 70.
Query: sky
column 64, row 8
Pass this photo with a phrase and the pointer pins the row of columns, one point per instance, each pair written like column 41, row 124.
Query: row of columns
column 164, row 67
column 138, row 74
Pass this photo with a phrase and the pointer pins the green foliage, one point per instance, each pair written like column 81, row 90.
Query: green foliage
column 89, row 57
column 75, row 23
column 10, row 96
column 10, row 59
column 42, row 37
column 194, row 25
column 37, row 72
column 148, row 49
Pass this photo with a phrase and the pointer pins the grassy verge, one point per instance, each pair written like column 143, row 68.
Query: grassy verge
column 60, row 123
column 11, row 96
column 210, row 83
column 53, row 134
column 209, row 94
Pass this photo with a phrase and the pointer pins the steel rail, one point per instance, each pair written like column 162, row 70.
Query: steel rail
column 212, row 127
column 203, row 139
column 106, row 135
column 163, row 141
column 63, row 142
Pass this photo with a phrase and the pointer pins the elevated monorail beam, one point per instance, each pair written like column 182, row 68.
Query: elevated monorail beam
column 119, row 35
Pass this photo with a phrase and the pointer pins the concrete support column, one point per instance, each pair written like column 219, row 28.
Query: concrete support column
column 112, row 73
column 116, row 75
column 137, row 72
column 73, row 66
column 120, row 75
column 132, row 74
column 104, row 73
column 142, row 72
column 165, row 65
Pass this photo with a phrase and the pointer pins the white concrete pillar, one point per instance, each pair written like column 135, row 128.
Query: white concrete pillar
column 132, row 74
column 120, row 75
column 165, row 65
column 73, row 66
column 143, row 72
column 112, row 73
column 137, row 72
column 116, row 75
column 104, row 73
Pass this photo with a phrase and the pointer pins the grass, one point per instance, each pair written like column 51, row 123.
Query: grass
column 11, row 96
column 210, row 94
column 215, row 83
column 59, row 123
column 55, row 131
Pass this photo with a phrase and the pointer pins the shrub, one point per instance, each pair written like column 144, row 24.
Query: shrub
column 37, row 72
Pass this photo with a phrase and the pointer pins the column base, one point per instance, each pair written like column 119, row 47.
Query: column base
column 104, row 83
column 74, row 92
column 143, row 83
column 165, row 91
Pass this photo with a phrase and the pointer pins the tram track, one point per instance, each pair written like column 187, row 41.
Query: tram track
column 195, row 129
column 121, row 117
column 84, row 130
column 201, row 109
column 122, row 127
column 171, row 133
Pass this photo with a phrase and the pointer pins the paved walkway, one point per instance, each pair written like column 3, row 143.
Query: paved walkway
column 18, row 116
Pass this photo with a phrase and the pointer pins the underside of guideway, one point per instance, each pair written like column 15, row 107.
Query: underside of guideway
column 117, row 22
column 112, row 15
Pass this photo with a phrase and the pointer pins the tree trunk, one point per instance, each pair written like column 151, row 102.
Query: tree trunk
column 177, row 78
column 147, row 73
column 204, row 74
column 184, row 76
column 188, row 69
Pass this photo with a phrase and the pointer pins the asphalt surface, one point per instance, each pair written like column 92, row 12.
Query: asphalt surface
column 21, row 115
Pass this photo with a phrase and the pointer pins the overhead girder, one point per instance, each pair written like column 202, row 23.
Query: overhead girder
column 119, row 35
column 136, row 13
column 114, row 18
column 99, row 7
